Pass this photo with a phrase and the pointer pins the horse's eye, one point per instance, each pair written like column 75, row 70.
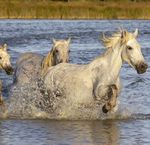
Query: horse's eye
column 0, row 57
column 69, row 51
column 56, row 51
column 129, row 48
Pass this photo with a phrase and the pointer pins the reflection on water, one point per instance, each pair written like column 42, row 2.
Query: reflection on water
column 108, row 132
column 133, row 124
column 59, row 132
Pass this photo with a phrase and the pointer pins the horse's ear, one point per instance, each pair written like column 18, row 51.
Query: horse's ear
column 103, row 36
column 5, row 47
column 104, row 39
column 136, row 32
column 54, row 40
column 69, row 40
column 123, row 34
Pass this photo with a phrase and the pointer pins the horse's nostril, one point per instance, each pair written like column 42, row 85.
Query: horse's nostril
column 9, row 70
column 144, row 66
column 60, row 61
column 141, row 68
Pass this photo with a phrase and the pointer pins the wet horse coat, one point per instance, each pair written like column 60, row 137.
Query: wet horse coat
column 83, row 86
column 89, row 85
column 25, row 95
column 31, row 66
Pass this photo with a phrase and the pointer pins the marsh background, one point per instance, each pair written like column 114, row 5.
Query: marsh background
column 75, row 9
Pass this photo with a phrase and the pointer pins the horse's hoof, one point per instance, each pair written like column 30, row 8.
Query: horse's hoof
column 1, row 103
column 104, row 109
column 1, row 100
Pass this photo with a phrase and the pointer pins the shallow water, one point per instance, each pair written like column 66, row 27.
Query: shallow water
column 132, row 124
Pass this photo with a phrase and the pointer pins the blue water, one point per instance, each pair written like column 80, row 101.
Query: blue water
column 36, row 36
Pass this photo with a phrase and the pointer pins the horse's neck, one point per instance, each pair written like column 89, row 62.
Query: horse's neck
column 47, row 62
column 114, row 63
column 107, row 67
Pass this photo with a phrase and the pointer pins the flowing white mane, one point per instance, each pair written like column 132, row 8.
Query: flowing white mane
column 109, row 42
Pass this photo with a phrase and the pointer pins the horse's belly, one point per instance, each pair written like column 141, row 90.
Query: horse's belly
column 74, row 88
column 81, row 92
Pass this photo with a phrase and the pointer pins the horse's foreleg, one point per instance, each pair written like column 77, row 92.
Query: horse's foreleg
column 112, row 99
column 1, row 100
column 108, row 95
column 1, row 97
column 115, row 89
column 118, row 85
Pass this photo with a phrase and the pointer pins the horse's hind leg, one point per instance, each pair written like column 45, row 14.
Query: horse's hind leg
column 1, row 97
column 112, row 99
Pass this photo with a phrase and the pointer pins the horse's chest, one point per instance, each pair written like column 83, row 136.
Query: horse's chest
column 107, row 78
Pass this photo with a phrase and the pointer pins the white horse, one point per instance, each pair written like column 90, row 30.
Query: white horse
column 4, row 65
column 97, row 82
column 30, row 66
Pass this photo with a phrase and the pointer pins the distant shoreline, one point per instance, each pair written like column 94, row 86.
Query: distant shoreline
column 69, row 19
column 75, row 10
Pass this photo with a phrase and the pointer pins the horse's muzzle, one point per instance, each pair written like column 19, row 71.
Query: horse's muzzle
column 63, row 61
column 9, row 70
column 141, row 68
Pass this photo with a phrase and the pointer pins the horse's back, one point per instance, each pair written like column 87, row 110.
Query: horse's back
column 68, row 75
column 66, row 68
column 62, row 71
column 28, row 67
column 26, row 57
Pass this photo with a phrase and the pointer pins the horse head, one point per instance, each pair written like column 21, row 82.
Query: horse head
column 132, row 51
column 58, row 54
column 5, row 60
column 61, row 51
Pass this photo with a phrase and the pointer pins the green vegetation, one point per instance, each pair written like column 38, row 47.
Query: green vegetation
column 75, row 9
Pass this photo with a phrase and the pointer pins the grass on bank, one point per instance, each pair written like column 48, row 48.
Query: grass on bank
column 71, row 9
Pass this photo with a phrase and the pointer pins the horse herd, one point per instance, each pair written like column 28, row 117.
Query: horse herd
column 88, row 85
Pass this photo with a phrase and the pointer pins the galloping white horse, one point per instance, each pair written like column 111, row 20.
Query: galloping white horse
column 30, row 66
column 5, row 65
column 97, row 82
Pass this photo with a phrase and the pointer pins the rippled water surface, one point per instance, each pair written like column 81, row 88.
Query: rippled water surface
column 132, row 126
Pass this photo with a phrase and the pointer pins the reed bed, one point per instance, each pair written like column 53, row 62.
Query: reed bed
column 79, row 9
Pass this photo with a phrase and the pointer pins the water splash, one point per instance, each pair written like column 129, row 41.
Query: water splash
column 23, row 101
column 33, row 101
